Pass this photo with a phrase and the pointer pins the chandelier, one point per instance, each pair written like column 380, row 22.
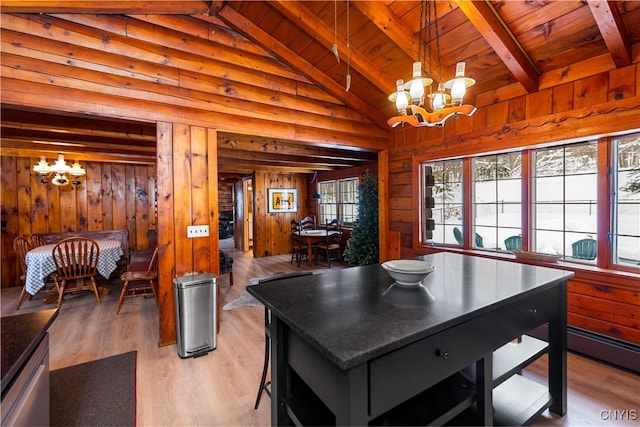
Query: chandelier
column 415, row 106
column 57, row 173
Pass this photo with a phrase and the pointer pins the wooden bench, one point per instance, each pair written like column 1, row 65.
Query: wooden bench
column 121, row 235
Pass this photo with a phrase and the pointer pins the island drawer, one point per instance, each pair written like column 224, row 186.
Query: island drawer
column 402, row 374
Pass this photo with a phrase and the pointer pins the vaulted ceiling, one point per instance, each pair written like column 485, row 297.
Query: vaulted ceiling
column 520, row 46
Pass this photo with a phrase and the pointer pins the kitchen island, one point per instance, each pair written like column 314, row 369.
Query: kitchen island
column 25, row 368
column 350, row 347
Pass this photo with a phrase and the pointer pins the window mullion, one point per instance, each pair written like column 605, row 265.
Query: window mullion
column 467, row 203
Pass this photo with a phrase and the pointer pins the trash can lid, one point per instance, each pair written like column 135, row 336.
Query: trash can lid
column 194, row 278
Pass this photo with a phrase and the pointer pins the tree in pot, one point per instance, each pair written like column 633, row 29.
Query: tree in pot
column 362, row 246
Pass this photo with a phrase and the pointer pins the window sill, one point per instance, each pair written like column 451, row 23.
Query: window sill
column 583, row 271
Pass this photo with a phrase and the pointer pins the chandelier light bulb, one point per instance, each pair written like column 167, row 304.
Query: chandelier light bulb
column 42, row 167
column 459, row 84
column 402, row 101
column 76, row 170
column 439, row 99
column 60, row 167
column 416, row 85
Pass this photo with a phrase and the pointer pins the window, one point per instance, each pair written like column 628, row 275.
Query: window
column 339, row 200
column 447, row 197
column 626, row 206
column 497, row 199
column 328, row 201
column 565, row 201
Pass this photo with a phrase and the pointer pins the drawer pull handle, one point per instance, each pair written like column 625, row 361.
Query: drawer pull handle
column 533, row 311
column 442, row 354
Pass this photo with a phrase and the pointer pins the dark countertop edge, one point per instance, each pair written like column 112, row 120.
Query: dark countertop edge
column 347, row 364
column 15, row 369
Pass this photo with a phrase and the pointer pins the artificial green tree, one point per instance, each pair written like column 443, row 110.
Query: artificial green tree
column 362, row 246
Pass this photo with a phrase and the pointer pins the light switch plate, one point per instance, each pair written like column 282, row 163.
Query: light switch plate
column 197, row 231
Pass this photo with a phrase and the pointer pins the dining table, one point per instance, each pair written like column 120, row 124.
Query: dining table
column 40, row 263
column 312, row 237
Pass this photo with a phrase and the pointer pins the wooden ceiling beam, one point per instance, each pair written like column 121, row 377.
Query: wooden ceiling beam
column 493, row 29
column 80, row 156
column 311, row 24
column 267, row 41
column 78, row 131
column 612, row 30
column 280, row 159
column 182, row 7
column 249, row 168
column 280, row 147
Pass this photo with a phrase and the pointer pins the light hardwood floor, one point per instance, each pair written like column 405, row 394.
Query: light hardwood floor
column 219, row 389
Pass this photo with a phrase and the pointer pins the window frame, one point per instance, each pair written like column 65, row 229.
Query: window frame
column 605, row 203
column 339, row 203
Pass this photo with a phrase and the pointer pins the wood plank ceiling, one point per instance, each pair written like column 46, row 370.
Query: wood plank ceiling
column 517, row 46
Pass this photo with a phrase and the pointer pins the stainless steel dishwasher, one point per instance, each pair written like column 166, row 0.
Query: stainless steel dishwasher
column 196, row 315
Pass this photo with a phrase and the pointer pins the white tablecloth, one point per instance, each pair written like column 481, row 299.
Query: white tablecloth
column 40, row 263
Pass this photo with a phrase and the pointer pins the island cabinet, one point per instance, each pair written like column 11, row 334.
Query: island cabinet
column 25, row 368
column 351, row 347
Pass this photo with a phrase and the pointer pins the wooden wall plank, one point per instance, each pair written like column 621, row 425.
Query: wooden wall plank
column 93, row 182
column 23, row 186
column 9, row 216
column 39, row 204
column 200, row 198
column 107, row 197
column 166, row 234
column 141, row 206
column 182, row 199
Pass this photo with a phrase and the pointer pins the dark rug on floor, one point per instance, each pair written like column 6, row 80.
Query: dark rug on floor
column 97, row 393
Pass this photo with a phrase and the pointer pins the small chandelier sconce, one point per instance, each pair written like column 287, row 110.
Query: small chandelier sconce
column 415, row 106
column 58, row 173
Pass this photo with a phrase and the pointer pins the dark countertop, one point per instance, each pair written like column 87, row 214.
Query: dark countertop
column 21, row 335
column 352, row 315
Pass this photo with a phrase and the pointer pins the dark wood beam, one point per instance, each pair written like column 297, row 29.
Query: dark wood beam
column 493, row 29
column 613, row 31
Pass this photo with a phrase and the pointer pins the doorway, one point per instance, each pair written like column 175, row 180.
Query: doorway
column 243, row 238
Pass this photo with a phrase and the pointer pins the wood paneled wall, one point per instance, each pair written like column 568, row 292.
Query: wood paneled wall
column 272, row 234
column 110, row 196
column 603, row 302
column 187, row 162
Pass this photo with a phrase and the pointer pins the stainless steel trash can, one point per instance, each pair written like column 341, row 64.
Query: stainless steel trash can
column 196, row 315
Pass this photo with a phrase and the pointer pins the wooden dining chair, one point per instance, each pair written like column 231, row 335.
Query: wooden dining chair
column 264, row 384
column 140, row 283
column 308, row 223
column 76, row 260
column 298, row 245
column 37, row 240
column 331, row 247
column 21, row 246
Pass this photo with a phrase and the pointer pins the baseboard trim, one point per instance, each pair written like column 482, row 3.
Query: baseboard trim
column 618, row 353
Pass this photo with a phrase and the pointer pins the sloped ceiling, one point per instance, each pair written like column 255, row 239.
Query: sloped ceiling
column 520, row 45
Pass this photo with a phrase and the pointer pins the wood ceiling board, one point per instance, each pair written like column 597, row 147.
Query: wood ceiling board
column 182, row 7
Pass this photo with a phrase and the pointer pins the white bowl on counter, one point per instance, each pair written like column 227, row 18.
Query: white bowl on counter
column 408, row 272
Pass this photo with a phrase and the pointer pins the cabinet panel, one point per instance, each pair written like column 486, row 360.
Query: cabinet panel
column 27, row 400
column 439, row 356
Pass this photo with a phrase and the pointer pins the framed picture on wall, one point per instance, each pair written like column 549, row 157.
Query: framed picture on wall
column 283, row 200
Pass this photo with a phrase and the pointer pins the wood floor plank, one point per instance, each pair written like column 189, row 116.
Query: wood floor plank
column 219, row 389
